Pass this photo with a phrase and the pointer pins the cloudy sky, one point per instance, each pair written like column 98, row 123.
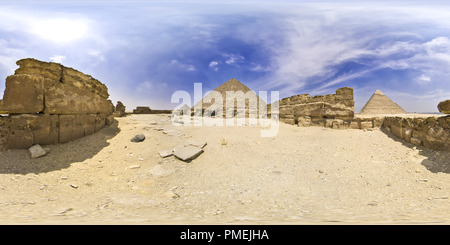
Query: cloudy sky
column 146, row 50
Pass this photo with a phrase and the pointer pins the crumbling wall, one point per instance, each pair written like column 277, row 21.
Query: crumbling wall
column 49, row 103
column 431, row 132
column 318, row 109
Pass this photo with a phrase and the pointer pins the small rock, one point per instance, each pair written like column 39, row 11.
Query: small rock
column 134, row 166
column 36, row 151
column 138, row 138
column 223, row 142
column 74, row 186
column 172, row 194
column 165, row 153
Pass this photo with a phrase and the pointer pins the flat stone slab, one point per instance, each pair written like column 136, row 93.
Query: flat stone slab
column 187, row 153
column 196, row 143
column 36, row 151
column 165, row 153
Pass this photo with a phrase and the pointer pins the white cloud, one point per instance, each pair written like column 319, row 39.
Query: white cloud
column 213, row 63
column 182, row 66
column 232, row 59
column 58, row 58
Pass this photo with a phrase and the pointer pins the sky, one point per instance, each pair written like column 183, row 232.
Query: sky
column 144, row 51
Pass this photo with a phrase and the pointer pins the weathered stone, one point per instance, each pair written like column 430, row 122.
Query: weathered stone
column 142, row 110
column 66, row 99
column 366, row 124
column 37, row 151
column 24, row 94
column 415, row 141
column 138, row 138
column 70, row 128
column 288, row 120
column 188, row 152
column 119, row 110
column 444, row 106
column 44, row 128
column 165, row 153
column 304, row 121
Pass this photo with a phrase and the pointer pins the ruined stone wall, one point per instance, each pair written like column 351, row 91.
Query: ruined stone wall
column 431, row 132
column 317, row 110
column 49, row 103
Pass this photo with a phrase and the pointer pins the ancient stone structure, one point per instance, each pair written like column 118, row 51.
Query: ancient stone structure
column 119, row 110
column 318, row 110
column 379, row 103
column 243, row 101
column 444, row 106
column 142, row 110
column 48, row 103
column 431, row 132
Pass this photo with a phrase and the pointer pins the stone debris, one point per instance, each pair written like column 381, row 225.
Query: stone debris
column 165, row 153
column 37, row 151
column 134, row 166
column 187, row 153
column 138, row 138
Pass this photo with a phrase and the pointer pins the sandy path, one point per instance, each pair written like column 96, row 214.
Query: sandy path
column 303, row 175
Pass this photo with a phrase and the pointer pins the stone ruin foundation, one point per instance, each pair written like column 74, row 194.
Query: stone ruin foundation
column 48, row 103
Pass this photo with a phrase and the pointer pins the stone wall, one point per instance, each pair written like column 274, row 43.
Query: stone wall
column 431, row 132
column 49, row 103
column 317, row 110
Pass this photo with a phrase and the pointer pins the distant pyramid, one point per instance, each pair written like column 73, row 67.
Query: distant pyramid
column 232, row 85
column 381, row 104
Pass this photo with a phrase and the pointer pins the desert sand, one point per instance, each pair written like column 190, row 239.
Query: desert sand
column 304, row 175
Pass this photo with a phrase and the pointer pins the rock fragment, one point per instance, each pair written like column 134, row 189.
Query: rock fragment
column 138, row 138
column 36, row 151
column 187, row 153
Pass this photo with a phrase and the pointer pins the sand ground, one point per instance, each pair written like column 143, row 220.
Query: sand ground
column 302, row 176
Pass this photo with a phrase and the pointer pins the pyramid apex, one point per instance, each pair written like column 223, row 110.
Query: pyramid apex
column 378, row 92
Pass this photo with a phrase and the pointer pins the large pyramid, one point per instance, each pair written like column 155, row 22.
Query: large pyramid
column 232, row 85
column 381, row 104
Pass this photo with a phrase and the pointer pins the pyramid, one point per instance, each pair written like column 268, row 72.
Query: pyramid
column 232, row 85
column 381, row 104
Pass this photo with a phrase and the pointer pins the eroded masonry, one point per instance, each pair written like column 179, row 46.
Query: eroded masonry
column 48, row 103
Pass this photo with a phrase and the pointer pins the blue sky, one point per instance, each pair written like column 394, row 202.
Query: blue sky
column 146, row 50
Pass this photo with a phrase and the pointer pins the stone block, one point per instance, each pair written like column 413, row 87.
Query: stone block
column 45, row 129
column 24, row 94
column 406, row 134
column 304, row 121
column 444, row 106
column 366, row 124
column 19, row 139
column 46, row 69
column 314, row 109
column 396, row 130
column 70, row 128
column 65, row 99
column 83, row 81
column 378, row 122
column 288, row 120
column 415, row 141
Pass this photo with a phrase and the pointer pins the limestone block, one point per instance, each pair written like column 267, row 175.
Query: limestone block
column 288, row 120
column 83, row 81
column 345, row 93
column 415, row 141
column 24, row 94
column 338, row 110
column 444, row 106
column 19, row 139
column 338, row 124
column 304, row 121
column 396, row 130
column 44, row 128
column 188, row 152
column 310, row 109
column 366, row 124
column 70, row 128
column 406, row 134
column 46, row 69
column 354, row 124
column 378, row 122
column 67, row 100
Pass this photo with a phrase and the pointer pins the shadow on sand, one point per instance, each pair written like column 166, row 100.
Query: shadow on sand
column 436, row 161
column 60, row 156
